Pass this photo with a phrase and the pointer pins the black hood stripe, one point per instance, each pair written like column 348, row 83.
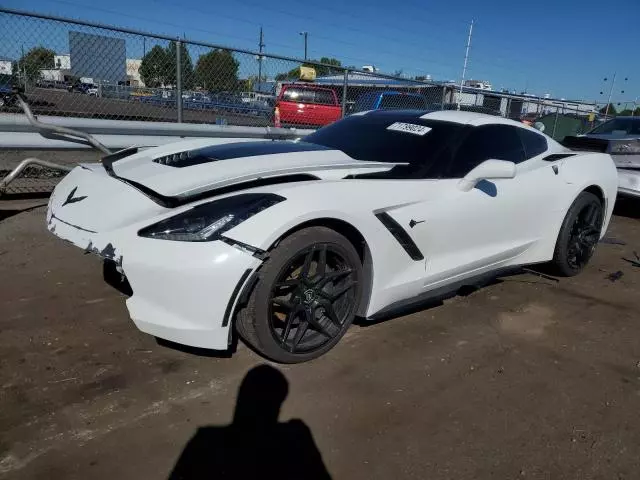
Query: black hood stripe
column 230, row 151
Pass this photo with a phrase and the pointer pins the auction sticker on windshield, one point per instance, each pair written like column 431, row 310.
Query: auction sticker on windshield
column 409, row 128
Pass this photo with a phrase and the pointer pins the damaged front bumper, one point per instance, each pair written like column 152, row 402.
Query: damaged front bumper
column 184, row 292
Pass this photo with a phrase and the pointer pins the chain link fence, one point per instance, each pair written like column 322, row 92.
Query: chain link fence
column 81, row 69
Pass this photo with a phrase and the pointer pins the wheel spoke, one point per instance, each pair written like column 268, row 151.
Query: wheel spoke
column 342, row 290
column 287, row 327
column 304, row 273
column 321, row 266
column 292, row 282
column 300, row 331
column 332, row 276
column 592, row 215
column 331, row 313
column 317, row 326
column 282, row 303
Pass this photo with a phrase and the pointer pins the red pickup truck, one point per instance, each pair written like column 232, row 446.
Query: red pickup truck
column 305, row 105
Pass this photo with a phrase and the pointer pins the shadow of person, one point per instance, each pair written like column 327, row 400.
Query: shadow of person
column 255, row 445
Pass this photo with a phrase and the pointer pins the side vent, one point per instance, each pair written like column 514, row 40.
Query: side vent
column 401, row 236
column 557, row 156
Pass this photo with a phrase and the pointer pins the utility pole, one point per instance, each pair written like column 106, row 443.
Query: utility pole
column 24, row 72
column 613, row 82
column 305, row 34
column 466, row 59
column 261, row 45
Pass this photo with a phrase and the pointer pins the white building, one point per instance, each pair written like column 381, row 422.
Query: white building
column 133, row 72
column 62, row 62
column 6, row 67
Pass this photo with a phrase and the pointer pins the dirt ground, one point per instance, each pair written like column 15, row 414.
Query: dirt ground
column 526, row 378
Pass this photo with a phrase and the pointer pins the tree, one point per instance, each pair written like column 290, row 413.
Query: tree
column 154, row 67
column 217, row 71
column 321, row 70
column 36, row 59
column 636, row 112
column 626, row 113
column 188, row 77
column 612, row 109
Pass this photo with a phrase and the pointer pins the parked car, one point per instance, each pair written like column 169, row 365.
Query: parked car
column 52, row 84
column 619, row 137
column 286, row 242
column 83, row 88
column 389, row 100
column 6, row 95
column 306, row 105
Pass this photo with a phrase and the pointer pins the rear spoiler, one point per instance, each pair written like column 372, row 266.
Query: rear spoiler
column 585, row 144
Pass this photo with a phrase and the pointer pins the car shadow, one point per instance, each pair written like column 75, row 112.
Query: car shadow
column 11, row 211
column 542, row 271
column 255, row 445
column 627, row 207
column 198, row 351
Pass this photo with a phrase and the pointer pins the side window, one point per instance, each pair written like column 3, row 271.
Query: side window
column 298, row 95
column 534, row 143
column 499, row 142
column 324, row 97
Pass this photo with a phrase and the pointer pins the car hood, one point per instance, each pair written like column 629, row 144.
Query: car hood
column 190, row 168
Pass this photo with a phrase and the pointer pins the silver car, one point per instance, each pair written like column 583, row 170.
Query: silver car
column 622, row 135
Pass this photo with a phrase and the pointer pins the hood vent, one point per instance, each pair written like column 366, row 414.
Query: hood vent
column 234, row 150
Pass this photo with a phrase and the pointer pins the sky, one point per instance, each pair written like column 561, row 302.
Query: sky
column 566, row 48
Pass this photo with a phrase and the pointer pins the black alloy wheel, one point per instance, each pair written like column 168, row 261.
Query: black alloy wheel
column 585, row 233
column 311, row 299
column 579, row 235
column 305, row 298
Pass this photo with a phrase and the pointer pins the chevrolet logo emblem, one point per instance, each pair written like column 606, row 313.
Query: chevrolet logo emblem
column 72, row 199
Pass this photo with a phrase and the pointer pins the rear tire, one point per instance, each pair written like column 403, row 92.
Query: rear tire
column 305, row 298
column 579, row 235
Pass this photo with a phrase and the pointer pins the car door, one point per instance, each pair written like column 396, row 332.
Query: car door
column 467, row 233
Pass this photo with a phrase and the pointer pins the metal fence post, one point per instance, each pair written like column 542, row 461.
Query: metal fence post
column 179, row 79
column 344, row 92
column 555, row 124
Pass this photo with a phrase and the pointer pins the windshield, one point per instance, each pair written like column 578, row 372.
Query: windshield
column 425, row 145
column 619, row 126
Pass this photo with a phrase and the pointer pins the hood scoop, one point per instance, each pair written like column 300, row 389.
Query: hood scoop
column 230, row 151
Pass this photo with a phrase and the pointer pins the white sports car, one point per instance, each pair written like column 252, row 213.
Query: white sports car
column 288, row 241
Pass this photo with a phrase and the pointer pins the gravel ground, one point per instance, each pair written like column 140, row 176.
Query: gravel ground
column 525, row 378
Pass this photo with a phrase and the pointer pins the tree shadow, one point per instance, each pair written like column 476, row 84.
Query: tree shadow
column 255, row 445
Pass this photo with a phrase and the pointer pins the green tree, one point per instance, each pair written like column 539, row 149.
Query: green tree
column 321, row 70
column 188, row 77
column 217, row 71
column 154, row 67
column 612, row 109
column 636, row 112
column 626, row 113
column 36, row 59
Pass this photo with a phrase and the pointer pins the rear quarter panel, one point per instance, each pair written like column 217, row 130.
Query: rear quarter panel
column 584, row 170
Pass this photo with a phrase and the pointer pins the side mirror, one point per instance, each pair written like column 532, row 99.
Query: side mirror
column 487, row 170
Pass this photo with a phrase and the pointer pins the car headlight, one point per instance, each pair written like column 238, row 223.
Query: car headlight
column 206, row 222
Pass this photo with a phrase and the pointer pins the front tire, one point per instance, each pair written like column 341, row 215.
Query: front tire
column 305, row 298
column 579, row 235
